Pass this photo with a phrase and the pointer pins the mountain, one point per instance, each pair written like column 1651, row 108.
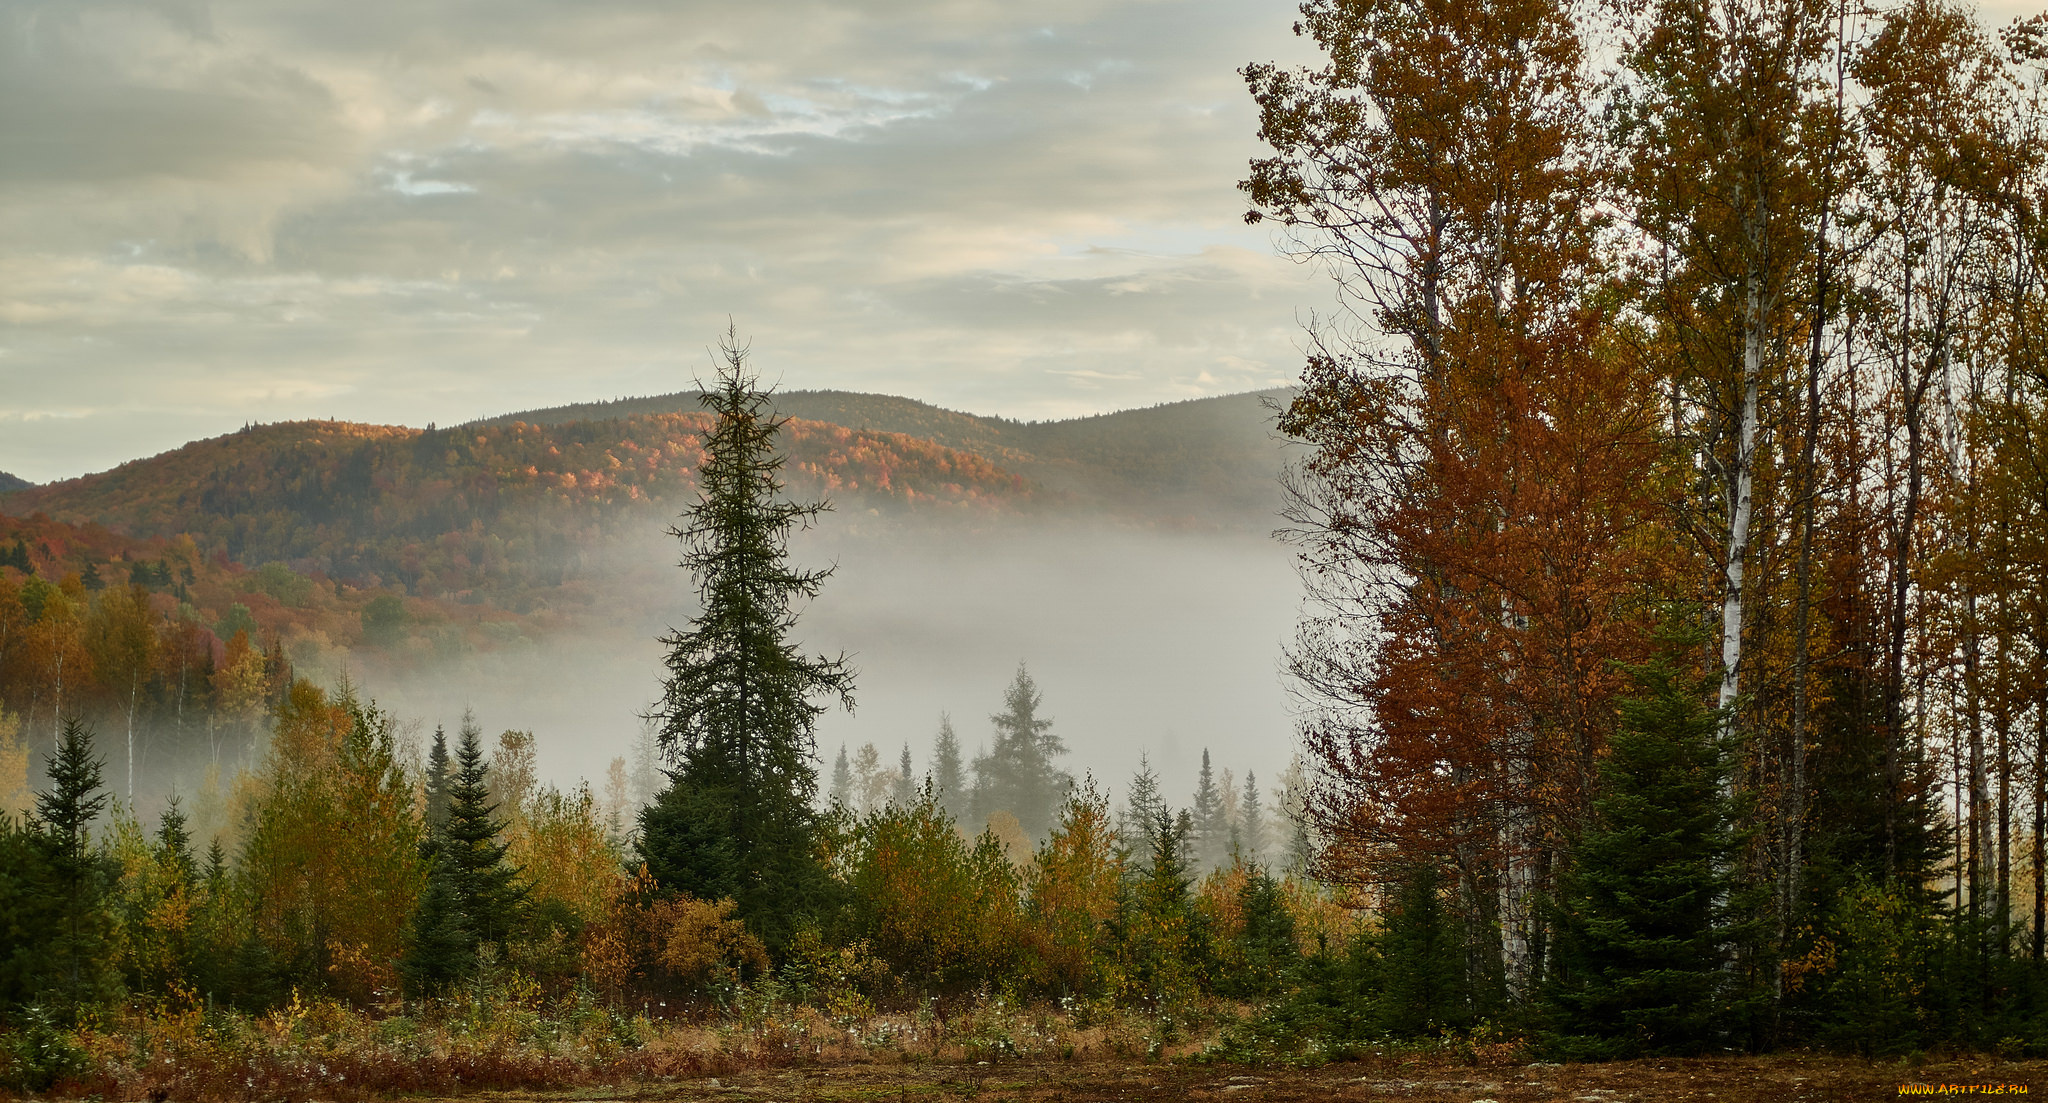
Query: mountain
column 13, row 482
column 507, row 514
column 1214, row 458
column 498, row 512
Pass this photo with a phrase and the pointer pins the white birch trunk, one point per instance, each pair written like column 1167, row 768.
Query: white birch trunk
column 1741, row 506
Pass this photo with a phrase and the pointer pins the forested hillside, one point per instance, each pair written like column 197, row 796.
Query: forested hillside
column 489, row 512
column 1207, row 458
column 13, row 482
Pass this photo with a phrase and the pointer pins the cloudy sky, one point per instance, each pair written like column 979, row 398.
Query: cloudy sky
column 407, row 211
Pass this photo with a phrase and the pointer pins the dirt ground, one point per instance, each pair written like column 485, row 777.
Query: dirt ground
column 1775, row 1079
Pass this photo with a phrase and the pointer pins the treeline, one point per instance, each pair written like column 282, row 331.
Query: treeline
column 177, row 657
column 343, row 871
column 1687, row 425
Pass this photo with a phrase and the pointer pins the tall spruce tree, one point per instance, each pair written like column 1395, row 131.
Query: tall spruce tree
column 1646, row 917
column 472, row 896
column 77, row 969
column 1140, row 817
column 437, row 783
column 1251, row 835
column 949, row 781
column 737, row 713
column 903, row 791
column 1210, row 846
column 841, row 792
column 1018, row 774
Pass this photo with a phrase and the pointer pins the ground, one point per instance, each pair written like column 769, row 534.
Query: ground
column 1775, row 1079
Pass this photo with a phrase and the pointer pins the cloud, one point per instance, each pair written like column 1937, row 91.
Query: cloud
column 440, row 210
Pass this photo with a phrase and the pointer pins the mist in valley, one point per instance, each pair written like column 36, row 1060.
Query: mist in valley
column 1146, row 642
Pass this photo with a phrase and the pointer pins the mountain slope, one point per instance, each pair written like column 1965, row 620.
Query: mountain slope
column 1205, row 457
column 485, row 510
column 13, row 482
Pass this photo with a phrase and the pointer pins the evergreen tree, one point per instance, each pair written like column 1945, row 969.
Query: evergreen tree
column 1267, row 952
column 437, row 783
column 1644, row 929
column 78, row 968
column 1018, row 775
column 1421, row 959
column 1212, row 829
column 439, row 949
column 1251, row 821
column 471, row 896
column 842, row 780
column 904, row 792
column 485, row 885
column 1168, row 943
column 948, row 780
column 174, row 841
column 1138, row 821
column 736, row 716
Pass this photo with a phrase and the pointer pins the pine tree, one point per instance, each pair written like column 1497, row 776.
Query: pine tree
column 904, row 793
column 77, row 966
column 1142, row 810
column 485, row 886
column 842, row 780
column 1421, row 959
column 437, row 783
column 1267, row 949
column 174, row 840
column 471, row 897
column 737, row 717
column 948, row 780
column 1167, row 943
column 1251, row 820
column 1645, row 927
column 1212, row 831
column 1018, row 775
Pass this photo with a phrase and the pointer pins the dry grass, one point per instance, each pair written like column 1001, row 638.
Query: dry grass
column 982, row 1049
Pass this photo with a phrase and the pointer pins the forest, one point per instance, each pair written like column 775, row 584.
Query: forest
column 1673, row 514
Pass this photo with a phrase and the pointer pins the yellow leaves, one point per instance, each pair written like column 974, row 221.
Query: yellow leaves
column 567, row 853
column 701, row 939
column 332, row 862
column 15, row 795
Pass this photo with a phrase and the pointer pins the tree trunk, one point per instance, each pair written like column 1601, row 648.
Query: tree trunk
column 1741, row 504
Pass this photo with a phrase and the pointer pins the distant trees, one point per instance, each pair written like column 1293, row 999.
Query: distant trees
column 736, row 715
column 1017, row 774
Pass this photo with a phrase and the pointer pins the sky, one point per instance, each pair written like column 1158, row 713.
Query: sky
column 416, row 211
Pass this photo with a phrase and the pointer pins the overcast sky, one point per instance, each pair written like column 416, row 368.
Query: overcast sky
column 407, row 211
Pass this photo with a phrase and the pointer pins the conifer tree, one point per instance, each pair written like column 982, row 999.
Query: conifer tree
column 1142, row 810
column 437, row 783
column 1168, row 941
column 737, row 714
column 842, row 780
column 77, row 966
column 949, row 782
column 1646, row 928
column 471, row 896
column 1422, row 954
column 1212, row 830
column 904, row 793
column 1251, row 821
column 174, row 840
column 1267, row 952
column 1017, row 775
column 485, row 885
